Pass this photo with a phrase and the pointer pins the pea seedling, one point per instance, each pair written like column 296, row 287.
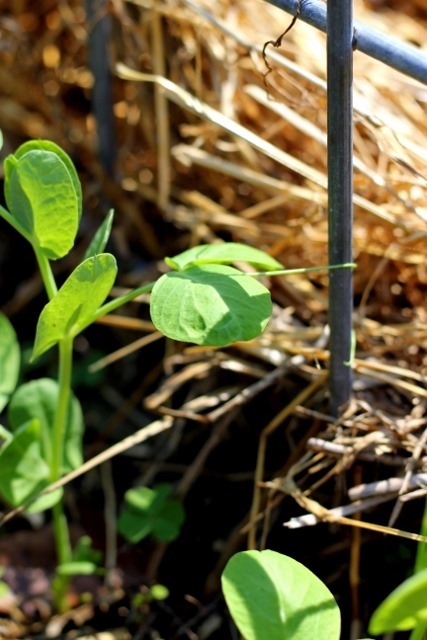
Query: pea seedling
column 202, row 300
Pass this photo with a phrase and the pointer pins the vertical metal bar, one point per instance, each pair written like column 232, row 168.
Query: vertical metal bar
column 340, row 194
column 98, row 21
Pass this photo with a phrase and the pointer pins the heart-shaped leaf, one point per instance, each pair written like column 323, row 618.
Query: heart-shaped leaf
column 41, row 195
column 39, row 399
column 74, row 306
column 273, row 596
column 151, row 512
column 210, row 304
column 10, row 360
column 224, row 253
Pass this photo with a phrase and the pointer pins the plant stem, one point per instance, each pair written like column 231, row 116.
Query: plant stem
column 46, row 274
column 118, row 302
column 293, row 272
column 64, row 383
column 62, row 541
column 421, row 557
column 64, row 555
column 60, row 528
column 43, row 262
column 6, row 215
column 418, row 632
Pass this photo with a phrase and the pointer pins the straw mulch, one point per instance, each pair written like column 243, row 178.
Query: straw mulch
column 213, row 142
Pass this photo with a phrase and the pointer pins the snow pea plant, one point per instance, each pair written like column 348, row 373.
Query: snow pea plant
column 202, row 299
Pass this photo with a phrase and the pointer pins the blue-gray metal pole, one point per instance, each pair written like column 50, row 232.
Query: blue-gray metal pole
column 392, row 51
column 340, row 195
column 98, row 21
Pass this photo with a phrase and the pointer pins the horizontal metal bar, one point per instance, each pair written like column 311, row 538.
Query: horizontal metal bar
column 392, row 51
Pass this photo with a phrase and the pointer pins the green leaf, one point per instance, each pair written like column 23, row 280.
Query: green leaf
column 101, row 237
column 41, row 195
column 273, row 596
column 74, row 306
column 23, row 471
column 151, row 511
column 210, row 304
column 45, row 502
column 405, row 607
column 47, row 145
column 10, row 360
column 224, row 253
column 39, row 399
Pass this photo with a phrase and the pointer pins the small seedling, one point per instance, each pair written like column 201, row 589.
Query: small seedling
column 151, row 512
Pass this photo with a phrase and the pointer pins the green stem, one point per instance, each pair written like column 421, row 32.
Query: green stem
column 62, row 541
column 292, row 272
column 64, row 555
column 418, row 633
column 118, row 302
column 10, row 219
column 64, row 383
column 46, row 274
column 421, row 556
column 43, row 262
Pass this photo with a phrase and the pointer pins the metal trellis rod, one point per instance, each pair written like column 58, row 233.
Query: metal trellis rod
column 344, row 36
column 102, row 98
column 340, row 196
column 376, row 44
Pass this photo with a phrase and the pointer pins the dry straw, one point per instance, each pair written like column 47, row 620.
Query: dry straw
column 210, row 146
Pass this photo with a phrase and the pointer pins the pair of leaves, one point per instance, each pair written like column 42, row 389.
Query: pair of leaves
column 151, row 512
column 208, row 302
column 273, row 596
column 25, row 458
column 43, row 194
